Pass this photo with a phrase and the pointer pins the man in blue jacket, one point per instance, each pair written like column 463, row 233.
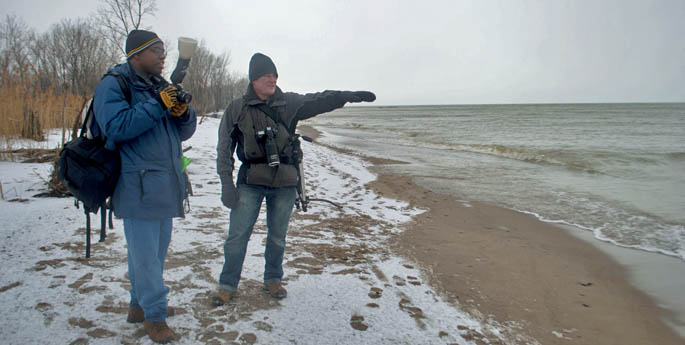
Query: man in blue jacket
column 147, row 132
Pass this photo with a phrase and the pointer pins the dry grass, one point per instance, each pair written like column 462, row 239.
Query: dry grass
column 27, row 110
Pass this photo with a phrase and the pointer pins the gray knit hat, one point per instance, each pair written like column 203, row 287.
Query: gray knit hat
column 260, row 65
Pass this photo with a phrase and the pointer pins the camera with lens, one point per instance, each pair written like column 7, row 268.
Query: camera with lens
column 268, row 136
column 186, row 49
column 182, row 95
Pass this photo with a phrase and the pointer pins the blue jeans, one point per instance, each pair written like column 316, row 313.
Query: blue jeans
column 279, row 207
column 148, row 241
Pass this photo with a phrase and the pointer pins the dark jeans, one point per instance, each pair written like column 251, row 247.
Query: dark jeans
column 279, row 207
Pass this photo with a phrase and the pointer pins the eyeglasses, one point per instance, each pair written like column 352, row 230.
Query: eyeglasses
column 158, row 51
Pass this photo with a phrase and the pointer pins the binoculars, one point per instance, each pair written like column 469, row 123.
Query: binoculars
column 268, row 135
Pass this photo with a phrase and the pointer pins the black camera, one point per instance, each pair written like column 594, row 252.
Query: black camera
column 182, row 95
column 186, row 49
column 268, row 136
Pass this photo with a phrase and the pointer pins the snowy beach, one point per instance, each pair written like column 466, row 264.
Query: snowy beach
column 398, row 264
column 345, row 284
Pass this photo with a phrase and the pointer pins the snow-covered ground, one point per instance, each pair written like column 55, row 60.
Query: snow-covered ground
column 344, row 284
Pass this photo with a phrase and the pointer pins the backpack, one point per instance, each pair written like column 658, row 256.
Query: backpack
column 89, row 170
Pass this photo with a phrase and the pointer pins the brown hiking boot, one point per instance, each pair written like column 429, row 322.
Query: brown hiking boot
column 275, row 290
column 221, row 297
column 160, row 332
column 137, row 315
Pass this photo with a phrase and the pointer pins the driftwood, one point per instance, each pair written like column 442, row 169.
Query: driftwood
column 328, row 201
column 27, row 155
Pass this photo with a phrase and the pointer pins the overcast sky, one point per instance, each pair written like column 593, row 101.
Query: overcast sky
column 436, row 52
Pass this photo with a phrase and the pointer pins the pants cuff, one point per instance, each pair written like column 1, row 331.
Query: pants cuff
column 134, row 306
column 272, row 280
column 228, row 287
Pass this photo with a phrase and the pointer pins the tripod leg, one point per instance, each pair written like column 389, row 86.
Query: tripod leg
column 103, row 223
column 87, row 234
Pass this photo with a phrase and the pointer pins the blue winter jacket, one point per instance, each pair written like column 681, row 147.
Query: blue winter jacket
column 151, row 185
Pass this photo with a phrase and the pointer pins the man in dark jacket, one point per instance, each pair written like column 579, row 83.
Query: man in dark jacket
column 269, row 154
column 148, row 132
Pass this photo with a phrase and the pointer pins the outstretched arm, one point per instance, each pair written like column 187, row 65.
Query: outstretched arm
column 312, row 104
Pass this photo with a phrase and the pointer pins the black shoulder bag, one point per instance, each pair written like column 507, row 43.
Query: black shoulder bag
column 89, row 170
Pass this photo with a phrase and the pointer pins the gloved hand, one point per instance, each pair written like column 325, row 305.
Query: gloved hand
column 229, row 195
column 179, row 109
column 359, row 96
column 167, row 97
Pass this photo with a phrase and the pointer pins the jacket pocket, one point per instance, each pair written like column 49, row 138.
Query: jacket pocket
column 157, row 189
column 128, row 191
column 260, row 174
column 286, row 176
column 252, row 149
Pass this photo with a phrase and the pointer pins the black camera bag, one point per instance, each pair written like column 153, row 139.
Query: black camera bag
column 89, row 170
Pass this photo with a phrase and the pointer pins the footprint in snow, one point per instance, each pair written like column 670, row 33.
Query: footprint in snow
column 357, row 322
column 47, row 310
column 399, row 281
column 413, row 280
column 376, row 292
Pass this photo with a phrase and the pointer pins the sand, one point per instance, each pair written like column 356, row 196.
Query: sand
column 513, row 269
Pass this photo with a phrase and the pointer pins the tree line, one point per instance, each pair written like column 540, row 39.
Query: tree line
column 47, row 78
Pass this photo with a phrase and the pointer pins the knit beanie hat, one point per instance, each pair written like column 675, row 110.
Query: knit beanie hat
column 138, row 40
column 260, row 65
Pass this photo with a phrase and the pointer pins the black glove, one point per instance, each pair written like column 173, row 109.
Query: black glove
column 166, row 96
column 229, row 195
column 358, row 96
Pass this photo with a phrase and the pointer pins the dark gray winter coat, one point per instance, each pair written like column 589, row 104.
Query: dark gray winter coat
column 243, row 119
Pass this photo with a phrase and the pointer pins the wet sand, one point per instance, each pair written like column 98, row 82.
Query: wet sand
column 532, row 277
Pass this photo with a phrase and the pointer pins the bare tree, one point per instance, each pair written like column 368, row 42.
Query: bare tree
column 238, row 86
column 71, row 57
column 197, row 79
column 210, row 81
column 45, row 77
column 44, row 65
column 118, row 17
column 220, row 81
column 15, row 39
column 79, row 56
column 15, row 67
